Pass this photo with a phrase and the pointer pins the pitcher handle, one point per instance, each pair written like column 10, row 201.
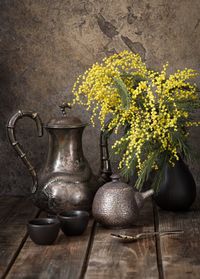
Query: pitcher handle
column 17, row 147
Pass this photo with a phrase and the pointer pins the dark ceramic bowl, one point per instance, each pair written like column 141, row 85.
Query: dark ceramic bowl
column 43, row 231
column 73, row 222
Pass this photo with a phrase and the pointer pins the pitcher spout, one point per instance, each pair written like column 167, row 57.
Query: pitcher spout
column 147, row 194
column 141, row 197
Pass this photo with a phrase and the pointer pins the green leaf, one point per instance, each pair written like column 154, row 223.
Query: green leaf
column 128, row 172
column 180, row 139
column 159, row 174
column 147, row 168
column 123, row 92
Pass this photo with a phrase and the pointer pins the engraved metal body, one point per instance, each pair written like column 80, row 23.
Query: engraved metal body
column 116, row 204
column 66, row 181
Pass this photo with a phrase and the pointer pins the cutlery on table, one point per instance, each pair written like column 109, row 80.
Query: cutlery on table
column 129, row 238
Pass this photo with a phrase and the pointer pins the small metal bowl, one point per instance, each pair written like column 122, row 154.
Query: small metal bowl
column 43, row 231
column 73, row 222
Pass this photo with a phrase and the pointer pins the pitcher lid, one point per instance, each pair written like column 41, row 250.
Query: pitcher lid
column 65, row 121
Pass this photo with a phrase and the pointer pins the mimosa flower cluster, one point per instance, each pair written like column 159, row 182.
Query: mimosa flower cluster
column 153, row 109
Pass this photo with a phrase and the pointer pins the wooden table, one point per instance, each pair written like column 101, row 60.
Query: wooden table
column 95, row 254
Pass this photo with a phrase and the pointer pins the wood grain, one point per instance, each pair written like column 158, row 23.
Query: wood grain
column 112, row 259
column 180, row 255
column 14, row 214
column 95, row 254
column 64, row 259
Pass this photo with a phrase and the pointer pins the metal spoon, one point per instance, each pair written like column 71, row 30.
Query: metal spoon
column 130, row 238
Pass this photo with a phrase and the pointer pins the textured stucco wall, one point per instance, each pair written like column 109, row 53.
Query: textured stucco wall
column 45, row 44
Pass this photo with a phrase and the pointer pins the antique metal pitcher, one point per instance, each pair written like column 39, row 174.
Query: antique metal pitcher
column 66, row 181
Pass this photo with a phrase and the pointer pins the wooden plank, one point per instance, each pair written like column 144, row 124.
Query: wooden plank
column 14, row 214
column 112, row 259
column 64, row 259
column 180, row 255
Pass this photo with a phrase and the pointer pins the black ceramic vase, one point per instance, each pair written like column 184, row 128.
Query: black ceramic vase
column 177, row 191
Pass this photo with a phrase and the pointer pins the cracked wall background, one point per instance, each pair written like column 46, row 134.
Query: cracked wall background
column 46, row 44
